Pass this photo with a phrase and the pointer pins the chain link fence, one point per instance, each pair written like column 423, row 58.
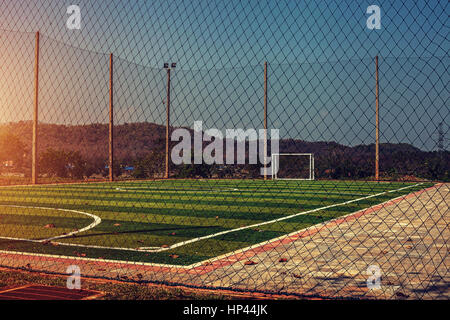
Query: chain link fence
column 289, row 147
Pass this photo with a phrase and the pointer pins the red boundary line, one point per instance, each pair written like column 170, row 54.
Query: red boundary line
column 233, row 258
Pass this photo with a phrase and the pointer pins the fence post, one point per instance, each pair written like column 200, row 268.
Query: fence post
column 265, row 120
column 377, row 123
column 34, row 160
column 166, row 175
column 111, row 120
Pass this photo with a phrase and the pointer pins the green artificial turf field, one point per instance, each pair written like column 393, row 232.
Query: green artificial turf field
column 177, row 222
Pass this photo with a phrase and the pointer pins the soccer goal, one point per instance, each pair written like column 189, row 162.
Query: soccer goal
column 293, row 166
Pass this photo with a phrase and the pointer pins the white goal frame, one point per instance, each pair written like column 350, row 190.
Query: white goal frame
column 275, row 164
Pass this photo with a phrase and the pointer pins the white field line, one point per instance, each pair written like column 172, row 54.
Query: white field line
column 173, row 189
column 82, row 184
column 183, row 243
column 144, row 189
column 97, row 221
column 315, row 226
column 125, row 262
column 194, row 264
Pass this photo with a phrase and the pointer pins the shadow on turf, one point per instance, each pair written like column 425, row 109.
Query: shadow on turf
column 135, row 231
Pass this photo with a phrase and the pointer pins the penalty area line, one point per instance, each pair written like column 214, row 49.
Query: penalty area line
column 97, row 221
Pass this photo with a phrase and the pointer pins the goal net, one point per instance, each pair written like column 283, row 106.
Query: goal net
column 293, row 166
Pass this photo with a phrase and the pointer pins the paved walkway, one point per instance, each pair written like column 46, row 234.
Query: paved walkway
column 406, row 239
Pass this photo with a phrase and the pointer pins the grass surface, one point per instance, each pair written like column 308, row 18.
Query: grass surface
column 164, row 213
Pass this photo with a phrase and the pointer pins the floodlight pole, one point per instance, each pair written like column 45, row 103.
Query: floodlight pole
column 313, row 167
column 167, row 124
column 377, row 123
column 265, row 120
column 34, row 162
column 111, row 120
column 167, row 171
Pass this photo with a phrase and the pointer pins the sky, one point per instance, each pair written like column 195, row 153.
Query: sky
column 320, row 55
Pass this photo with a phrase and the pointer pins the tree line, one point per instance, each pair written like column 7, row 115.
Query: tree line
column 79, row 152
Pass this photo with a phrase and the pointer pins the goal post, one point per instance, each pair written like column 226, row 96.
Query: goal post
column 293, row 166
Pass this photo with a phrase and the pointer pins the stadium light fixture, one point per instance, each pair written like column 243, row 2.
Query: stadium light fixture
column 172, row 65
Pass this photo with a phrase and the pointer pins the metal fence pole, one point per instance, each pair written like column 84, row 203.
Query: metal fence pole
column 265, row 120
column 111, row 120
column 34, row 164
column 377, row 124
column 166, row 175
